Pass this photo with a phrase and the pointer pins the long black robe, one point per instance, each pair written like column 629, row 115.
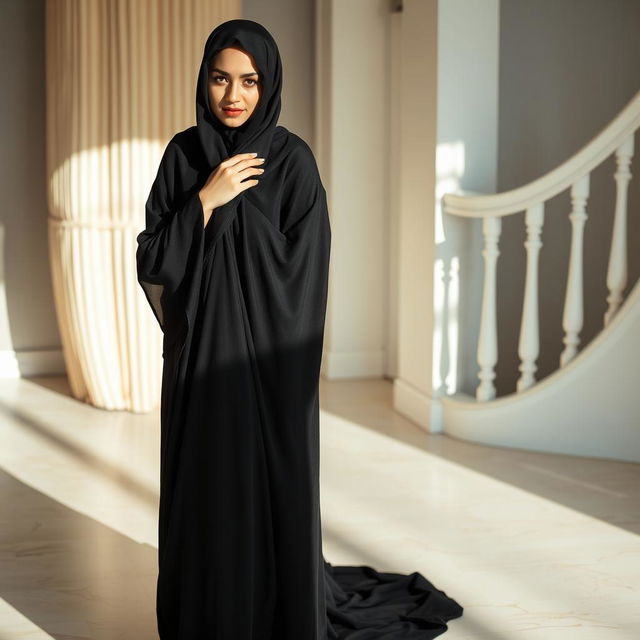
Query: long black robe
column 241, row 303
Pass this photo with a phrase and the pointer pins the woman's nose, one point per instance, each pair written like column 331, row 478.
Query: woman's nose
column 233, row 91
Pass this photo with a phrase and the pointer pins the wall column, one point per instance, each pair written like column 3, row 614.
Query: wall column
column 449, row 69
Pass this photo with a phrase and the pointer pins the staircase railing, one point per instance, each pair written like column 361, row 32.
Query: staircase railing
column 617, row 137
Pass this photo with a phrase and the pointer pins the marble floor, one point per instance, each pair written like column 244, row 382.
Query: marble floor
column 534, row 546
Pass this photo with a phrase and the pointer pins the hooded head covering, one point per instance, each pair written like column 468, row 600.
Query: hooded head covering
column 218, row 140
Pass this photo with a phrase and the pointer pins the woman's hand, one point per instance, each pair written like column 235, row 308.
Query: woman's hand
column 225, row 181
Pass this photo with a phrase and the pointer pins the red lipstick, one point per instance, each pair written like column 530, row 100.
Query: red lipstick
column 233, row 112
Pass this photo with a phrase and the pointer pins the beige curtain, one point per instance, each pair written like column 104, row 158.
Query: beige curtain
column 121, row 78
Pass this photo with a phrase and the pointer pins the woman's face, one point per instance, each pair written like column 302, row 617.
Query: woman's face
column 234, row 86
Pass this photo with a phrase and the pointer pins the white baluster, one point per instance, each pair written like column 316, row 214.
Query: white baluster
column 440, row 319
column 529, row 345
column 447, row 283
column 617, row 271
column 488, row 342
column 572, row 317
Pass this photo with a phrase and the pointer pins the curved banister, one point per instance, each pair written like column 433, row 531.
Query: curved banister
column 618, row 137
column 474, row 205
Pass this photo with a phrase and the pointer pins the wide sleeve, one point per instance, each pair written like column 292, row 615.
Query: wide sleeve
column 304, row 201
column 290, row 293
column 169, row 250
column 306, row 225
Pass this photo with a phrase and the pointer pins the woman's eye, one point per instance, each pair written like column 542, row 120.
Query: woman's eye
column 253, row 82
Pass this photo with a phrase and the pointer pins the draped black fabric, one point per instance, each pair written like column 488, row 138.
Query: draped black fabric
column 241, row 303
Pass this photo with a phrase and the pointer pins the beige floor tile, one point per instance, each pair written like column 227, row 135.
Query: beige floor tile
column 534, row 546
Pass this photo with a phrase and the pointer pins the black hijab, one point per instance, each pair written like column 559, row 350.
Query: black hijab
column 219, row 140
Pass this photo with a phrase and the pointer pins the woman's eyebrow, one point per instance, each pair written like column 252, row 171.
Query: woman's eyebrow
column 225, row 73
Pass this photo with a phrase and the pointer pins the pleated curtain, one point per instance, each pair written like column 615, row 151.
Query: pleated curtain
column 120, row 81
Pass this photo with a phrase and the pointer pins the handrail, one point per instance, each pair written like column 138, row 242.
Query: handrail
column 542, row 189
column 619, row 138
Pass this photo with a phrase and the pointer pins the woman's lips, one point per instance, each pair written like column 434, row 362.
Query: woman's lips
column 233, row 112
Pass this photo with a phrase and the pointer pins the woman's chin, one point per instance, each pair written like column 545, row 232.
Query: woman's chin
column 232, row 121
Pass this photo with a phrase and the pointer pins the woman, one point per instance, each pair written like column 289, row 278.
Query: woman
column 234, row 261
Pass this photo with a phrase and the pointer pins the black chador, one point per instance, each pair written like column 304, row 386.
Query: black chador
column 241, row 303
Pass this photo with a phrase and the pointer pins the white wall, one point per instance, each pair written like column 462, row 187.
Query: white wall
column 417, row 110
column 353, row 111
column 467, row 98
column 409, row 79
column 292, row 24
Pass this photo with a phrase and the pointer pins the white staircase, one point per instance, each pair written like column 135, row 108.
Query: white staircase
column 591, row 404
